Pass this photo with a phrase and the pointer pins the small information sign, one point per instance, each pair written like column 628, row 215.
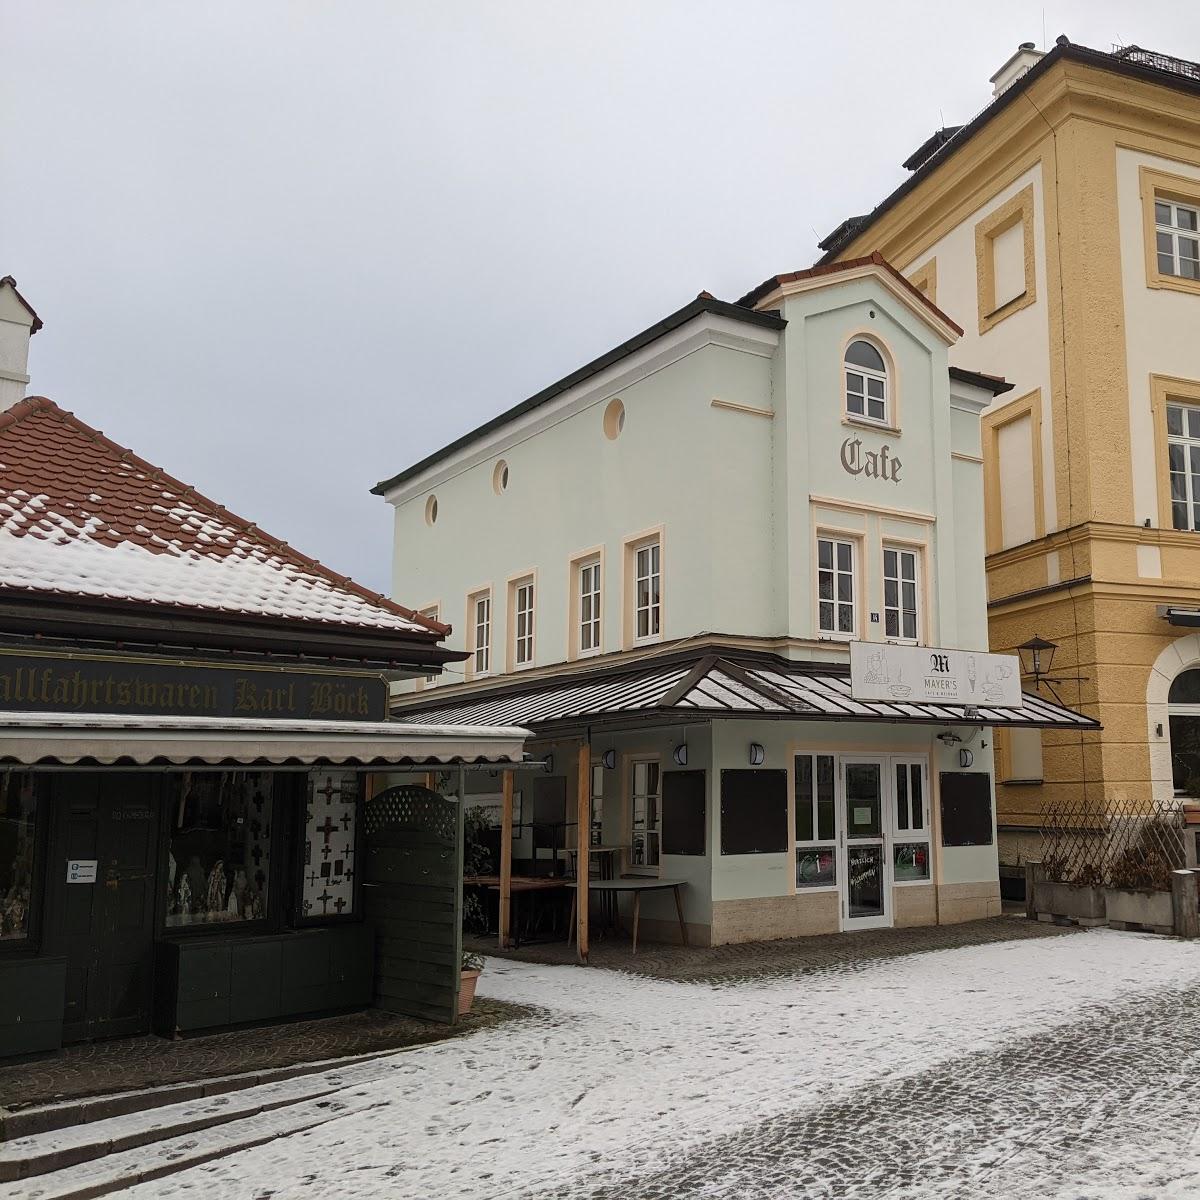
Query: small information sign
column 81, row 870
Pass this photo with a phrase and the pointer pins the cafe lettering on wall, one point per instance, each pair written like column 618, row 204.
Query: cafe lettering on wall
column 135, row 687
column 873, row 464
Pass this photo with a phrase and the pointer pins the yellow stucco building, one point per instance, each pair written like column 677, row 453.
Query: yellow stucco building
column 1060, row 228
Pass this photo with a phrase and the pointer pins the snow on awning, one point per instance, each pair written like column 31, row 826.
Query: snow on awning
column 722, row 685
column 33, row 738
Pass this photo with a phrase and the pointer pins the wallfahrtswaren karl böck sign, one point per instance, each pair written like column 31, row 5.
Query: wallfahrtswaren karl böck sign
column 881, row 671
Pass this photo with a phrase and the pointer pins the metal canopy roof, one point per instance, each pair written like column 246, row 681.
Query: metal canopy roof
column 36, row 738
column 722, row 686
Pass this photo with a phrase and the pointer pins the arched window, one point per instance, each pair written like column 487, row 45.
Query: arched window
column 866, row 382
column 1183, row 709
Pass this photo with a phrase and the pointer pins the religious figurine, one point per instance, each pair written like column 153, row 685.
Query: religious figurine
column 215, row 893
column 185, row 897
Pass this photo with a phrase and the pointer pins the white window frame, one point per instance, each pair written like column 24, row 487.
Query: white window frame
column 830, row 843
column 524, row 622
column 431, row 612
column 835, row 572
column 1172, row 233
column 1188, row 446
column 481, row 634
column 589, row 629
column 905, row 832
column 596, row 807
column 652, row 549
column 651, row 831
column 866, row 373
column 902, row 553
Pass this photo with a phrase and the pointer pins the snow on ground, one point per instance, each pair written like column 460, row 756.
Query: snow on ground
column 983, row 1062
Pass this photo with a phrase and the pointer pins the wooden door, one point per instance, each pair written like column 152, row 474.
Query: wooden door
column 104, row 928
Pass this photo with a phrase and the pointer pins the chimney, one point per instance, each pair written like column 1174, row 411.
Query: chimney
column 18, row 323
column 1026, row 57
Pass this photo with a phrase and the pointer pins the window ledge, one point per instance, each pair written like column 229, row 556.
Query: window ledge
column 1022, row 782
column 1006, row 310
column 857, row 422
column 1174, row 283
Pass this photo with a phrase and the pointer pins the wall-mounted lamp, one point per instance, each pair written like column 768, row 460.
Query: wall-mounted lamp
column 1158, row 729
column 1036, row 656
column 549, row 764
column 609, row 760
column 948, row 738
column 965, row 757
column 757, row 754
column 679, row 754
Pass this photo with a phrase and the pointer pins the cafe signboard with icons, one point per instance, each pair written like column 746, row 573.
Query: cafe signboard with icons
column 882, row 671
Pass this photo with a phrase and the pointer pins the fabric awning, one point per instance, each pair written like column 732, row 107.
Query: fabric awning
column 33, row 738
column 718, row 685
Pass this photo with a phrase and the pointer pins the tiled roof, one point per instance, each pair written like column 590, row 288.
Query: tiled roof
column 82, row 515
column 751, row 298
column 721, row 686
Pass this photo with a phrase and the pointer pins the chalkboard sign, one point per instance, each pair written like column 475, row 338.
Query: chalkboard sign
column 966, row 808
column 754, row 812
column 683, row 811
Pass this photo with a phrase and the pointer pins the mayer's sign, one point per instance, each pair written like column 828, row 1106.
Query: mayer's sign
column 142, row 687
column 880, row 671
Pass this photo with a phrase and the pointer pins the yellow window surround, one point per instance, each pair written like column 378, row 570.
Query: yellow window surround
column 1016, row 211
column 924, row 279
column 1026, row 406
column 1159, row 185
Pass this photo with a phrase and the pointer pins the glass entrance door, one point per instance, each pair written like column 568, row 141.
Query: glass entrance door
column 866, row 886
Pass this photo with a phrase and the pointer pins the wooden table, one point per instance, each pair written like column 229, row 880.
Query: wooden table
column 517, row 885
column 637, row 885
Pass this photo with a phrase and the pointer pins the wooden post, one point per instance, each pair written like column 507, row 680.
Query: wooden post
column 506, row 824
column 1031, row 877
column 583, row 841
column 1184, row 904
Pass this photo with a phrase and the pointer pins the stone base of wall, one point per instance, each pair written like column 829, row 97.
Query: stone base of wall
column 770, row 918
column 914, row 906
column 651, row 929
column 959, row 902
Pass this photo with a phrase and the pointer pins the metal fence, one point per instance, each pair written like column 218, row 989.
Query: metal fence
column 1125, row 845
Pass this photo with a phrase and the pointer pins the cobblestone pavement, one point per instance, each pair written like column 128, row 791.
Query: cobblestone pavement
column 1027, row 1067
column 776, row 960
column 1104, row 1107
column 126, row 1064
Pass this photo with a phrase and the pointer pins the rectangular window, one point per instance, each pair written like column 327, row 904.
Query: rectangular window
column 816, row 821
column 1177, row 239
column 589, row 606
column 18, row 827
column 900, row 599
column 647, row 596
column 1183, row 456
column 647, row 828
column 432, row 613
column 597, row 820
column 219, row 855
column 523, row 623
column 835, row 586
column 481, row 633
column 910, row 824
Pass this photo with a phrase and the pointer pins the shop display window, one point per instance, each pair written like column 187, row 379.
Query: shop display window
column 18, row 823
column 219, row 852
column 327, row 885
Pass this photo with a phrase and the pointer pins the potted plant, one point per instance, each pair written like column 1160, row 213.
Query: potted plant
column 472, row 968
column 1139, row 892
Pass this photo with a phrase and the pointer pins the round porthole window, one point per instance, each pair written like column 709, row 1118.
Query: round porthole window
column 500, row 478
column 614, row 419
column 431, row 510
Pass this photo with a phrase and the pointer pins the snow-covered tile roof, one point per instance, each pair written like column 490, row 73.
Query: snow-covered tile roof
column 83, row 515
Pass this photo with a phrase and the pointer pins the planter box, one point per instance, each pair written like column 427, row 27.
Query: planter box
column 1077, row 905
column 1140, row 910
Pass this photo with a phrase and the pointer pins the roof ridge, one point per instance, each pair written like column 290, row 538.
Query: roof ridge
column 875, row 259
column 31, row 405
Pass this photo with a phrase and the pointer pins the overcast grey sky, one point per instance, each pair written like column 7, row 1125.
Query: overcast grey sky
column 286, row 249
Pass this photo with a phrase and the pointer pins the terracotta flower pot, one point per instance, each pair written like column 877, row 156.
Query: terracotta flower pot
column 466, row 991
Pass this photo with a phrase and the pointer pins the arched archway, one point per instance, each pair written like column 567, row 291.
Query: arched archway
column 1173, row 717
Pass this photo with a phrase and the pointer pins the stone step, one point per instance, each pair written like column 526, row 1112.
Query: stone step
column 25, row 1158
column 42, row 1118
column 128, row 1168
